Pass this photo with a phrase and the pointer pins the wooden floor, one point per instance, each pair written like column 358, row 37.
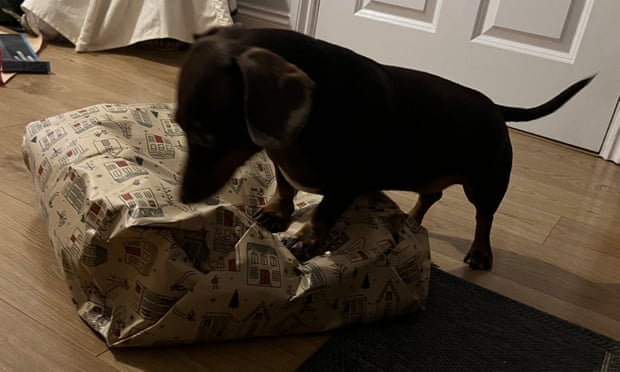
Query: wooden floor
column 556, row 237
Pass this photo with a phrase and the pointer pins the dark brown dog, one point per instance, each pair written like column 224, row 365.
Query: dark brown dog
column 339, row 124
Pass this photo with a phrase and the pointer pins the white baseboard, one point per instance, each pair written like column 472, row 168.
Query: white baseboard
column 611, row 145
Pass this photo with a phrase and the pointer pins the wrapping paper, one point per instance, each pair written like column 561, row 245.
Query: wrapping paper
column 95, row 25
column 144, row 269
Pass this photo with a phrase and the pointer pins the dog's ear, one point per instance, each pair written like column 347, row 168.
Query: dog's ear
column 278, row 97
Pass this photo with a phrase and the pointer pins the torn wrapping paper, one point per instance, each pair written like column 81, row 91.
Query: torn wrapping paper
column 144, row 269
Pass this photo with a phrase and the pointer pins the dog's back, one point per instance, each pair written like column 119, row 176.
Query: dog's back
column 388, row 114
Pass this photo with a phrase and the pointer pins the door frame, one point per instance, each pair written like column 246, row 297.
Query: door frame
column 304, row 17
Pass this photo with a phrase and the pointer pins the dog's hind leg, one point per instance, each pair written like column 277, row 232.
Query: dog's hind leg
column 486, row 194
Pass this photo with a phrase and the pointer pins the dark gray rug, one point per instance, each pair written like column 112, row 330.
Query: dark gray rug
column 467, row 328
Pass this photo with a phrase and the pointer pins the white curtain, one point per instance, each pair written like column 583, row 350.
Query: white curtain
column 93, row 25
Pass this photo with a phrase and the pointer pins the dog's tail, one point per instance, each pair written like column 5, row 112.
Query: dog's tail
column 527, row 114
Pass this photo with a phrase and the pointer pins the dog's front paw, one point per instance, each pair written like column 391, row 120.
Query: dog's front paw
column 479, row 258
column 273, row 218
column 307, row 243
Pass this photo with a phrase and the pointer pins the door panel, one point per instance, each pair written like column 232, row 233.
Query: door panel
column 547, row 29
column 419, row 14
column 546, row 18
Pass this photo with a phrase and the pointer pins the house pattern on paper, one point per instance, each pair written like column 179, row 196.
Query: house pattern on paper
column 74, row 190
column 71, row 155
column 75, row 243
column 43, row 172
column 263, row 266
column 255, row 199
column 388, row 301
column 149, row 304
column 87, row 111
column 214, row 326
column 84, row 125
column 228, row 230
column 109, row 146
column 100, row 216
column 353, row 309
column 115, row 108
column 142, row 203
column 263, row 172
column 50, row 137
column 171, row 127
column 312, row 278
column 94, row 255
column 104, row 167
column 122, row 170
column 159, row 147
column 96, row 213
column 141, row 254
column 194, row 244
column 141, row 116
column 35, row 127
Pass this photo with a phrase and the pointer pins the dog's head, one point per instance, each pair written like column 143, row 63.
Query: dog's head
column 232, row 101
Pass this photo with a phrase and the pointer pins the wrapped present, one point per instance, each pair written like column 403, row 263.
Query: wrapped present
column 144, row 269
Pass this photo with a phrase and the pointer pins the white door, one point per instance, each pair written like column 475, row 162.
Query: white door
column 518, row 52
